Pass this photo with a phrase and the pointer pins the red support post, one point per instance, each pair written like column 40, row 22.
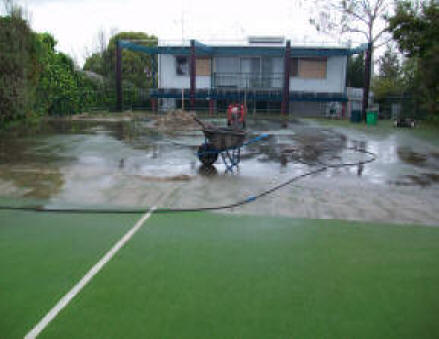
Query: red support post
column 193, row 75
column 285, row 106
column 211, row 106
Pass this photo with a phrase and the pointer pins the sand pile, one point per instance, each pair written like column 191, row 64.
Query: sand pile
column 177, row 120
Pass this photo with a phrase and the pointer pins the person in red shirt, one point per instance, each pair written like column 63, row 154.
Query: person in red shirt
column 236, row 115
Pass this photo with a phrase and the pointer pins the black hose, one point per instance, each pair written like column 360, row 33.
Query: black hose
column 323, row 167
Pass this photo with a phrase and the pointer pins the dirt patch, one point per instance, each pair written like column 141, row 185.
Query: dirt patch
column 408, row 156
column 176, row 120
column 124, row 116
column 307, row 145
column 37, row 183
column 423, row 180
column 181, row 177
column 425, row 160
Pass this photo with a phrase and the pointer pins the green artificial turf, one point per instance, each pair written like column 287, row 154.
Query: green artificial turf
column 214, row 276
column 42, row 256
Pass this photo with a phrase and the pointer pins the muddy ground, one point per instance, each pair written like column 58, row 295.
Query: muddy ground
column 131, row 164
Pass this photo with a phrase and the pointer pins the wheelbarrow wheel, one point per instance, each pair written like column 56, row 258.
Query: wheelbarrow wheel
column 207, row 154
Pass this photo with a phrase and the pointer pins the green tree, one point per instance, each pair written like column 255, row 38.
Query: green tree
column 389, row 64
column 34, row 77
column 19, row 67
column 354, row 17
column 390, row 78
column 134, row 64
column 61, row 89
column 95, row 63
column 415, row 27
column 136, row 67
column 58, row 89
column 355, row 70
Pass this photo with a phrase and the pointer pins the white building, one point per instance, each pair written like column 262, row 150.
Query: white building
column 254, row 71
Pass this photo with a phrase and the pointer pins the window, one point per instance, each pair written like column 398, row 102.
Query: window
column 203, row 66
column 227, row 65
column 251, row 65
column 182, row 65
column 294, row 67
column 314, row 68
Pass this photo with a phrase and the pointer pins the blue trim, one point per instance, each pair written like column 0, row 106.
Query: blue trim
column 138, row 48
column 320, row 99
column 204, row 50
column 200, row 47
column 275, row 96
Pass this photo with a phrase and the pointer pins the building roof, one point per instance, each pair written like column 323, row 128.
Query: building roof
column 240, row 50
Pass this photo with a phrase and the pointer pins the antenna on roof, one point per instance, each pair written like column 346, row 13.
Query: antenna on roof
column 182, row 23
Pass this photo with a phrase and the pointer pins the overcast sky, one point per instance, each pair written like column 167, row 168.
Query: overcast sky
column 75, row 23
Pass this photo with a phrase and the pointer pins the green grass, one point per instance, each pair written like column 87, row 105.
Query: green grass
column 208, row 275
column 42, row 256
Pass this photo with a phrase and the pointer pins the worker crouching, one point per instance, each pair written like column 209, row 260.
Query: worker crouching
column 236, row 114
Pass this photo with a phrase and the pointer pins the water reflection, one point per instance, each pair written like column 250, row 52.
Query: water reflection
column 128, row 162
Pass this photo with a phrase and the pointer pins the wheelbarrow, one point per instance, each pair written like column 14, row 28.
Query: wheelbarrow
column 224, row 141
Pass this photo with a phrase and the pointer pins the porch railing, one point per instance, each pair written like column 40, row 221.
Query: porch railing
column 247, row 80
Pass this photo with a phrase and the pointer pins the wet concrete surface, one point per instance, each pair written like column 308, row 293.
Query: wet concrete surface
column 128, row 164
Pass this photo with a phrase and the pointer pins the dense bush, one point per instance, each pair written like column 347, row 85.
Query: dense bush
column 415, row 27
column 35, row 79
column 19, row 68
column 61, row 89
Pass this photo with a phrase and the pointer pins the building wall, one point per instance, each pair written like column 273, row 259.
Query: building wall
column 333, row 83
column 305, row 109
column 169, row 79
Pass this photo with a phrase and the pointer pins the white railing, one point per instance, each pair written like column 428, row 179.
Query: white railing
column 247, row 80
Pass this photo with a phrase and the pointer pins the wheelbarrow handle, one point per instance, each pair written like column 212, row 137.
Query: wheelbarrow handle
column 204, row 125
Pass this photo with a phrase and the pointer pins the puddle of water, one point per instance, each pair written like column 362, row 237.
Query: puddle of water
column 76, row 163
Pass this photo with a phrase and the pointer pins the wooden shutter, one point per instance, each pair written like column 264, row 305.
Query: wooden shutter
column 203, row 66
column 312, row 68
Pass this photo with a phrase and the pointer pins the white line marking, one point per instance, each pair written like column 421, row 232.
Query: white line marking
column 64, row 301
